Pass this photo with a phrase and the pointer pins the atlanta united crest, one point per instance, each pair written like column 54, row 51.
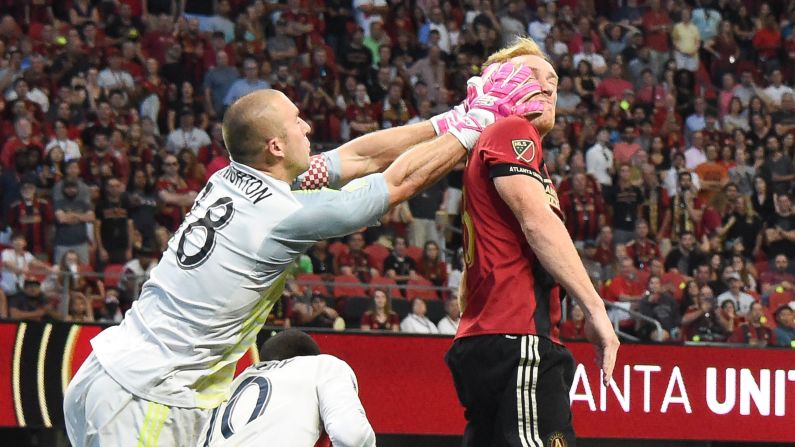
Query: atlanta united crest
column 525, row 150
column 557, row 439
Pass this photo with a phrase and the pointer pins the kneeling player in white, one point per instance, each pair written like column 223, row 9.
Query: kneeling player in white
column 289, row 399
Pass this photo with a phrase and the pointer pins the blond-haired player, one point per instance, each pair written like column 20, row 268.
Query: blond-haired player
column 511, row 372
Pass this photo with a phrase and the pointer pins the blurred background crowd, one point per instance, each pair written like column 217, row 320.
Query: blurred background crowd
column 673, row 150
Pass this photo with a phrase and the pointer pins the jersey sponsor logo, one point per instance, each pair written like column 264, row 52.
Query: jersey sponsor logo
column 525, row 150
column 557, row 439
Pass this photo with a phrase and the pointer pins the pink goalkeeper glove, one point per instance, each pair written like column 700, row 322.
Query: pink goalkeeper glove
column 503, row 86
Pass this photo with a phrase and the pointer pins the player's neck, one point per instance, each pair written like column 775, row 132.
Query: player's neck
column 275, row 171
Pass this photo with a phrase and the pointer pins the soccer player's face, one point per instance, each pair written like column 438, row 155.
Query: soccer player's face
column 295, row 138
column 548, row 79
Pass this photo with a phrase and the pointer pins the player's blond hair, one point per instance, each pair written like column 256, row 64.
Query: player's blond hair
column 521, row 46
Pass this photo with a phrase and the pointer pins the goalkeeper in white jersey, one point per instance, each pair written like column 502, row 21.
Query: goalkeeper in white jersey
column 289, row 399
column 153, row 379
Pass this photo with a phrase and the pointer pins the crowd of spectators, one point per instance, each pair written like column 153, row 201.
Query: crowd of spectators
column 672, row 152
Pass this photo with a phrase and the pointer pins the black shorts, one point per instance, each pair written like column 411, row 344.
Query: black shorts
column 514, row 389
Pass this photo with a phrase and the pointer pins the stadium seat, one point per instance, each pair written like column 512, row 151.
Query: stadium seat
column 382, row 282
column 435, row 310
column 414, row 253
column 112, row 275
column 348, row 286
column 377, row 253
column 779, row 299
column 354, row 309
column 314, row 281
column 401, row 306
column 422, row 292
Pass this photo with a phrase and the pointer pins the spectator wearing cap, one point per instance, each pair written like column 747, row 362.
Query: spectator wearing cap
column 217, row 82
column 248, row 83
column 72, row 213
column 742, row 300
column 32, row 217
column 687, row 40
column 71, row 171
column 755, row 331
column 30, row 303
column 187, row 136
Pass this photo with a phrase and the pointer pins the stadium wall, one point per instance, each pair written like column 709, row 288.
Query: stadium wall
column 659, row 392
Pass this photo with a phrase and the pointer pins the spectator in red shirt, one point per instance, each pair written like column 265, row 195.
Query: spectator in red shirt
column 431, row 266
column 614, row 85
column 99, row 163
column 33, row 218
column 584, row 210
column 573, row 329
column 767, row 39
column 642, row 249
column 627, row 286
column 361, row 114
column 381, row 316
column 23, row 138
column 754, row 331
column 779, row 278
column 355, row 261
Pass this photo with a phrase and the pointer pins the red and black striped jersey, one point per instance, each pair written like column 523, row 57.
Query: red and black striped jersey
column 506, row 289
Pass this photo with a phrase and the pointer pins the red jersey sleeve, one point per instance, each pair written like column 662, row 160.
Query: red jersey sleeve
column 512, row 146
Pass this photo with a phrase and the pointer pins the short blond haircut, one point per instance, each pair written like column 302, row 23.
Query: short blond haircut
column 521, row 46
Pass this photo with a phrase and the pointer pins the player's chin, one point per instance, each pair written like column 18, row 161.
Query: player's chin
column 543, row 122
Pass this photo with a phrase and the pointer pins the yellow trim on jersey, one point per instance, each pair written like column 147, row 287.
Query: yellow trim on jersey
column 214, row 388
column 156, row 415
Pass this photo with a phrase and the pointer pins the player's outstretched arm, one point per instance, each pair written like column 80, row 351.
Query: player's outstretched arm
column 551, row 243
column 375, row 151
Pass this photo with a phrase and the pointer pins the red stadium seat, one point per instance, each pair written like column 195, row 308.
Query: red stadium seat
column 314, row 283
column 414, row 253
column 112, row 275
column 348, row 286
column 376, row 254
column 422, row 292
column 388, row 284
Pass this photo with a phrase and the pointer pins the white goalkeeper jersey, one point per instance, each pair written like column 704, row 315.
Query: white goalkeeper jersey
column 290, row 403
column 223, row 270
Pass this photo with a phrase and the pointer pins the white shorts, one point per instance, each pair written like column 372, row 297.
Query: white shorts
column 99, row 412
